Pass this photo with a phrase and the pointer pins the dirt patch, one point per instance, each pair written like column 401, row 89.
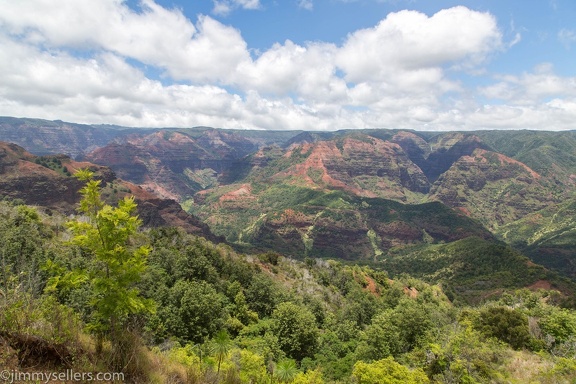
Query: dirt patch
column 411, row 292
column 36, row 351
column 372, row 287
column 465, row 211
column 368, row 283
column 245, row 191
column 8, row 355
column 541, row 284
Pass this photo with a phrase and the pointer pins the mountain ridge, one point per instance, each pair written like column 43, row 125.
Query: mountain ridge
column 46, row 181
column 243, row 179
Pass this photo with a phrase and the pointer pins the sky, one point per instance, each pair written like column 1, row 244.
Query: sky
column 428, row 65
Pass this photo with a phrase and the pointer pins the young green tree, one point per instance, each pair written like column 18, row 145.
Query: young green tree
column 286, row 371
column 105, row 234
column 221, row 345
column 251, row 366
column 21, row 251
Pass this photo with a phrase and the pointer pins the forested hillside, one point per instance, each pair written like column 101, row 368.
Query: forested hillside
column 373, row 256
column 95, row 293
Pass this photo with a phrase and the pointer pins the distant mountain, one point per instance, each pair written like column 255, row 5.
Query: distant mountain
column 325, row 193
column 547, row 236
column 437, row 155
column 173, row 164
column 473, row 269
column 453, row 168
column 331, row 199
column 359, row 164
column 550, row 154
column 493, row 188
column 46, row 181
column 43, row 137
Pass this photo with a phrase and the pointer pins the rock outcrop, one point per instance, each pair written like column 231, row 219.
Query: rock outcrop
column 23, row 177
column 362, row 165
column 493, row 188
column 172, row 164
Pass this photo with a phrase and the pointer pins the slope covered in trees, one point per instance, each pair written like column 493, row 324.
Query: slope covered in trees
column 438, row 222
column 221, row 316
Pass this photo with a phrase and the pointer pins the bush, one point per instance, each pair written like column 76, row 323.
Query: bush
column 505, row 324
column 387, row 371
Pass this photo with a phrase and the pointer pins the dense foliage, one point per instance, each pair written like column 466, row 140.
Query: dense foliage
column 222, row 316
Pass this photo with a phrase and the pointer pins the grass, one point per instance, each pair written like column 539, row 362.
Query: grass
column 525, row 368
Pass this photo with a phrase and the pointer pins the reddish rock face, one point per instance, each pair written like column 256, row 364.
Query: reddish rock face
column 166, row 161
column 33, row 183
column 364, row 166
column 36, row 184
column 492, row 187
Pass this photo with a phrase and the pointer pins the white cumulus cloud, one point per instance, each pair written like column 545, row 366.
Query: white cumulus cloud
column 306, row 4
column 85, row 61
column 224, row 7
column 531, row 88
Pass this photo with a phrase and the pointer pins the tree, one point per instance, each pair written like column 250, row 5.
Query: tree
column 310, row 377
column 559, row 328
column 105, row 234
column 221, row 345
column 387, row 371
column 459, row 353
column 21, row 251
column 296, row 329
column 251, row 366
column 560, row 323
column 505, row 324
column 285, row 371
column 261, row 295
column 396, row 331
column 193, row 311
column 241, row 310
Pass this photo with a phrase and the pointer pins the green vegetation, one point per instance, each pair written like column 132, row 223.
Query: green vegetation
column 304, row 222
column 470, row 269
column 113, row 266
column 548, row 153
column 387, row 371
column 547, row 236
column 54, row 163
column 82, row 296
